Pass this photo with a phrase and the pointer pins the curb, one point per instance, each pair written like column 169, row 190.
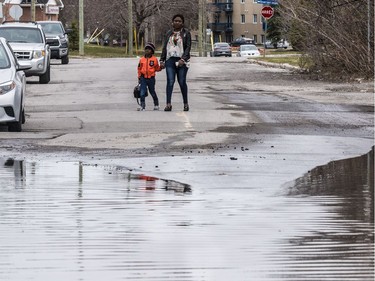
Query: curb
column 278, row 65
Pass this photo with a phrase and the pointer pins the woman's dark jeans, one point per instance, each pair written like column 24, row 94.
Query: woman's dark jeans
column 173, row 71
column 150, row 84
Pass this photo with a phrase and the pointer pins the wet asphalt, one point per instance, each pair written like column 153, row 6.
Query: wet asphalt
column 251, row 184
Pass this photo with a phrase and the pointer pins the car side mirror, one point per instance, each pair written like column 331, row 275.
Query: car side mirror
column 24, row 65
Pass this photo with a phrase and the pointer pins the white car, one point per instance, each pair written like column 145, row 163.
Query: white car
column 282, row 44
column 248, row 50
column 12, row 88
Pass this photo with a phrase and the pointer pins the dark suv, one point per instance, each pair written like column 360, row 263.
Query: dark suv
column 241, row 41
column 57, row 39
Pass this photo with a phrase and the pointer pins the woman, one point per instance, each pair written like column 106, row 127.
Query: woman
column 174, row 58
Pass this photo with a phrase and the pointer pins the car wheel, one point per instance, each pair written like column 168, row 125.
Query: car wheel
column 65, row 60
column 23, row 116
column 45, row 78
column 16, row 126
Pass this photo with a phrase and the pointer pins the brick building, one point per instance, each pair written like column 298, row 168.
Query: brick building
column 231, row 19
column 20, row 10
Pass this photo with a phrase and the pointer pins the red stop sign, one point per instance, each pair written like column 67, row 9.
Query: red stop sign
column 267, row 12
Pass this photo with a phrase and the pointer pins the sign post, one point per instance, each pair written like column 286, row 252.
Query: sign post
column 268, row 2
column 267, row 13
column 16, row 12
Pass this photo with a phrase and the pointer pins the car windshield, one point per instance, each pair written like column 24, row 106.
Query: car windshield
column 248, row 48
column 4, row 59
column 220, row 45
column 21, row 35
column 52, row 28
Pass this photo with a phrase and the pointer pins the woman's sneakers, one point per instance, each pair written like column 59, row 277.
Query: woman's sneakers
column 168, row 107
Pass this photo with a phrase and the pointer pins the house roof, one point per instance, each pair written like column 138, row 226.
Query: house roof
column 38, row 2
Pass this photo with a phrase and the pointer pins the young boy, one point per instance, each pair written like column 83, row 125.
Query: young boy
column 147, row 67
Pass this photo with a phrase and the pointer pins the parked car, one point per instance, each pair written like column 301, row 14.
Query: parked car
column 241, row 41
column 248, row 50
column 222, row 49
column 12, row 88
column 29, row 44
column 277, row 45
column 57, row 39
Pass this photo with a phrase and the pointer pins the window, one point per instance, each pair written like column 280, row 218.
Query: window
column 229, row 19
column 255, row 1
column 242, row 1
column 255, row 39
column 243, row 19
column 255, row 18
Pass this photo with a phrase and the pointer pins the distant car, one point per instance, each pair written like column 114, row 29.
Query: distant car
column 29, row 45
column 282, row 44
column 248, row 50
column 12, row 88
column 222, row 49
column 241, row 41
column 57, row 39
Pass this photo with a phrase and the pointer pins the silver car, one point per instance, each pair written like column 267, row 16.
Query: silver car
column 12, row 88
column 222, row 49
column 29, row 45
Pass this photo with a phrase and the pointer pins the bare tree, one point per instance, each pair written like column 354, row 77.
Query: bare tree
column 151, row 18
column 338, row 35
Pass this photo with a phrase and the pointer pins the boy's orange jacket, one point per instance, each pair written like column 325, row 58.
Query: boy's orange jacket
column 148, row 66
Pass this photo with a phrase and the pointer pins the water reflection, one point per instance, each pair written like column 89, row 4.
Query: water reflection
column 13, row 172
column 344, row 235
column 74, row 221
column 351, row 180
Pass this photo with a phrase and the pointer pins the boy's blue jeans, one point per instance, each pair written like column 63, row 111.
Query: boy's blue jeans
column 150, row 84
column 173, row 71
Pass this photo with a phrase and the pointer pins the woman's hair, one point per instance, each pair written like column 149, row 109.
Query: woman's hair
column 179, row 16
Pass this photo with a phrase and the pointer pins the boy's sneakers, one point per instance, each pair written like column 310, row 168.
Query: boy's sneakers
column 156, row 107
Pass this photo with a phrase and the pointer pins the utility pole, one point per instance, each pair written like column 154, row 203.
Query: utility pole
column 81, row 29
column 204, row 27
column 130, row 14
column 200, row 27
column 33, row 10
column 369, row 31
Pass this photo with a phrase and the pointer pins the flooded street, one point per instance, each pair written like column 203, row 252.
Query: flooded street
column 261, row 180
column 75, row 221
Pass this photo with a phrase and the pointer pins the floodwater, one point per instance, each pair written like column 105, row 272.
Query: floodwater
column 71, row 221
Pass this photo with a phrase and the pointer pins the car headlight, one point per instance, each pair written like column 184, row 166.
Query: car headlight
column 6, row 87
column 39, row 54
